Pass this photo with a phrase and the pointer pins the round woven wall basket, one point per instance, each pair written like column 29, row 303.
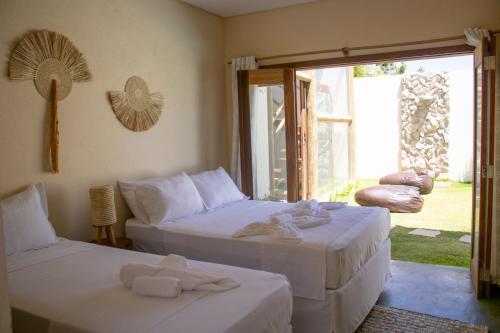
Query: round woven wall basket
column 136, row 108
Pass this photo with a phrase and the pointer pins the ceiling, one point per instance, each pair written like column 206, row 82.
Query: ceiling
column 228, row 8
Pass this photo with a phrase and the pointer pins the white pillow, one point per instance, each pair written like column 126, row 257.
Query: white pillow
column 216, row 188
column 127, row 188
column 169, row 199
column 26, row 226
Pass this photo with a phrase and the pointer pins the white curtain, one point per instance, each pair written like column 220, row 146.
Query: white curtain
column 237, row 64
column 473, row 36
column 5, row 321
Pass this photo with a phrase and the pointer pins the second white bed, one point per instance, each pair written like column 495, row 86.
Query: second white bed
column 327, row 258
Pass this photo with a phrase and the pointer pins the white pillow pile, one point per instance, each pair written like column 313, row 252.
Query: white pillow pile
column 170, row 199
column 158, row 200
column 25, row 219
column 216, row 188
column 128, row 189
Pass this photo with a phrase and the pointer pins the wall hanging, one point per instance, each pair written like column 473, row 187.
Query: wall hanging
column 53, row 63
column 136, row 108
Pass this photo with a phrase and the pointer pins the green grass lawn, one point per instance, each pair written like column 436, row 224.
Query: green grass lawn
column 447, row 209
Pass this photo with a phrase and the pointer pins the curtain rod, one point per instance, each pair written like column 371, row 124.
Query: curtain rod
column 345, row 50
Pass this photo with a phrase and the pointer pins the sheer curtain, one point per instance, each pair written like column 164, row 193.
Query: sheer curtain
column 241, row 63
column 473, row 36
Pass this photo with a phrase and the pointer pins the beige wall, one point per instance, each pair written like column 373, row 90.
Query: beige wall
column 176, row 48
column 331, row 24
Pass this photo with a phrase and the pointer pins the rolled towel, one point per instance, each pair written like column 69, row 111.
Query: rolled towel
column 157, row 286
column 174, row 261
column 194, row 279
column 129, row 272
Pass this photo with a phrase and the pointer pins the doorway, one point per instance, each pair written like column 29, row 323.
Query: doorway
column 341, row 127
column 414, row 116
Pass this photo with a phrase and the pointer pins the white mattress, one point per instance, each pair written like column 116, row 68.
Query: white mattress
column 349, row 241
column 74, row 287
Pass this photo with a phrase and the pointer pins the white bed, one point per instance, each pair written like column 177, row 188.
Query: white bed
column 74, row 287
column 320, row 268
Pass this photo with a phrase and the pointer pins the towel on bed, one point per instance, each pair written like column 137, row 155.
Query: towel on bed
column 173, row 267
column 157, row 286
column 286, row 224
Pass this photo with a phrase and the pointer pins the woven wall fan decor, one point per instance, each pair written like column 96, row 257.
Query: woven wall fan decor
column 136, row 108
column 53, row 63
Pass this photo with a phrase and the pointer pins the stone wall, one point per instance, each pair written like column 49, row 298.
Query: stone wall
column 425, row 109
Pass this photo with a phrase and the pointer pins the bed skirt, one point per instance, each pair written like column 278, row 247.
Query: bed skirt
column 346, row 307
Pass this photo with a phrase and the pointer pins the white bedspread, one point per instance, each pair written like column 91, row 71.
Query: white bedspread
column 354, row 234
column 75, row 286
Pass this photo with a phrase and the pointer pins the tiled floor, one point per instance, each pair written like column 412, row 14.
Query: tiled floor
column 442, row 291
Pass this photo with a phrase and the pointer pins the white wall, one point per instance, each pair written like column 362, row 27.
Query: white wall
column 378, row 129
column 178, row 50
column 376, row 101
column 460, row 151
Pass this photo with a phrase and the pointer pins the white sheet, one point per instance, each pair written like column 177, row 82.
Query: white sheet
column 328, row 256
column 75, row 286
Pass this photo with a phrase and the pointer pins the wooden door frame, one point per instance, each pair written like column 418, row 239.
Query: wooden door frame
column 303, row 141
column 480, row 275
column 286, row 77
column 434, row 52
column 245, row 130
column 491, row 157
column 475, row 270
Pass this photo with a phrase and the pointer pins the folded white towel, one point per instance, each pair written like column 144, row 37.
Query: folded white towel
column 286, row 224
column 157, row 286
column 193, row 279
column 332, row 205
column 175, row 267
column 304, row 222
column 288, row 232
column 129, row 272
column 174, row 261
column 279, row 228
column 254, row 229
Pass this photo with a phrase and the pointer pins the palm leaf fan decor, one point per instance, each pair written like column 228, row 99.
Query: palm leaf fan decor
column 53, row 63
column 136, row 108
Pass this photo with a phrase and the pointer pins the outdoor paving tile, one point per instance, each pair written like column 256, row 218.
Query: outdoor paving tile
column 425, row 232
column 442, row 291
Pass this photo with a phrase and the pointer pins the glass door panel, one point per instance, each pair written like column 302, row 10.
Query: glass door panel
column 268, row 134
column 477, row 174
column 267, row 126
